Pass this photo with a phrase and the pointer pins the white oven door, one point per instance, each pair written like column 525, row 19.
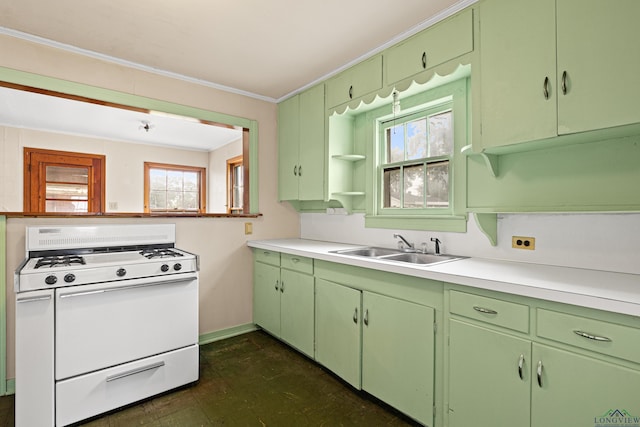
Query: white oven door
column 104, row 325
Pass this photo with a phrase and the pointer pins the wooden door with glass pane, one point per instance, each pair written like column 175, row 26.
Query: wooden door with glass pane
column 58, row 181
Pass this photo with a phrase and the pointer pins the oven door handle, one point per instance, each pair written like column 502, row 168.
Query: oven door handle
column 125, row 288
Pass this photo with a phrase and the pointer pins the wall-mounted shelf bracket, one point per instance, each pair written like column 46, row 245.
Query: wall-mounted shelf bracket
column 492, row 160
column 488, row 224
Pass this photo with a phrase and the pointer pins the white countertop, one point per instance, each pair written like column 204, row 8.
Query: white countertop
column 603, row 290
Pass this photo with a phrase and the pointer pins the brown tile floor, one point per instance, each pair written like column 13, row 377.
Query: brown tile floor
column 251, row 380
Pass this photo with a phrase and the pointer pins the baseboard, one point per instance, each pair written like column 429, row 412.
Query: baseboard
column 11, row 387
column 226, row 333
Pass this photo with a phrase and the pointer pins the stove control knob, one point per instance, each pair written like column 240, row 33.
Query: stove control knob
column 70, row 277
column 50, row 280
column 164, row 268
column 177, row 266
column 121, row 272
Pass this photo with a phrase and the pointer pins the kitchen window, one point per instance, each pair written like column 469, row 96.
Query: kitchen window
column 235, row 185
column 174, row 188
column 418, row 171
column 60, row 181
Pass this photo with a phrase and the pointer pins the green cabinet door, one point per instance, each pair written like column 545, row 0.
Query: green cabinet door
column 577, row 390
column 312, row 145
column 288, row 143
column 296, row 310
column 487, row 387
column 338, row 316
column 266, row 297
column 398, row 354
column 598, row 51
column 517, row 62
column 355, row 82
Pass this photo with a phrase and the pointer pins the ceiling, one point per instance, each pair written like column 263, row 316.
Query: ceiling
column 264, row 49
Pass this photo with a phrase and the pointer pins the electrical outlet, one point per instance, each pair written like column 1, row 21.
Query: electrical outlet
column 519, row 242
column 248, row 228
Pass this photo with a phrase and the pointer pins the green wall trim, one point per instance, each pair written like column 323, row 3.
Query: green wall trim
column 226, row 333
column 455, row 224
column 10, row 386
column 53, row 84
column 3, row 305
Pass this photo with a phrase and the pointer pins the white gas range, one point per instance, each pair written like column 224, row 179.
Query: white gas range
column 105, row 315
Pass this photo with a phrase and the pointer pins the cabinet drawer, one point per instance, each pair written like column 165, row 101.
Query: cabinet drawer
column 494, row 311
column 297, row 263
column 433, row 46
column 267, row 257
column 88, row 395
column 591, row 334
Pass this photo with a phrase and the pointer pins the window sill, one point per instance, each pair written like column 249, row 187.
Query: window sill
column 453, row 223
column 123, row 215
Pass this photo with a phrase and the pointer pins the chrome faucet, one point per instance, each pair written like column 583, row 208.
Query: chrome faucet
column 409, row 246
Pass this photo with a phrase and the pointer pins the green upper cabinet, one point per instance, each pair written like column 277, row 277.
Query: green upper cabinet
column 301, row 146
column 433, row 46
column 550, row 68
column 355, row 82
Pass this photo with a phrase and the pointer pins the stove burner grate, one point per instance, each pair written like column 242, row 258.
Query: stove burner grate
column 160, row 253
column 59, row 261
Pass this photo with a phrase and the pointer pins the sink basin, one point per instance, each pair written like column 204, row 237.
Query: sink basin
column 388, row 254
column 418, row 258
column 369, row 252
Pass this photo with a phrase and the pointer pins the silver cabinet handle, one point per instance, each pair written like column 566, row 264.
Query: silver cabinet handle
column 564, row 82
column 295, row 260
column 134, row 371
column 365, row 319
column 545, row 88
column 282, row 286
column 521, row 366
column 591, row 336
column 277, row 288
column 539, row 373
column 295, row 170
column 484, row 310
column 355, row 316
column 33, row 299
column 424, row 60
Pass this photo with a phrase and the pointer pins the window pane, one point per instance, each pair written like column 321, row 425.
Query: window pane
column 416, row 139
column 65, row 206
column 174, row 180
column 395, row 144
column 158, row 179
column 190, row 181
column 67, row 191
column 157, row 200
column 441, row 134
column 438, row 185
column 67, row 174
column 238, row 175
column 191, row 200
column 414, row 186
column 391, row 189
column 174, row 200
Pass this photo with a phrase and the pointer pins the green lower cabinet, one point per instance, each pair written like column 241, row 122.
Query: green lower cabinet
column 577, row 390
column 380, row 344
column 485, row 387
column 296, row 310
column 266, row 297
column 398, row 354
column 338, row 316
column 283, row 305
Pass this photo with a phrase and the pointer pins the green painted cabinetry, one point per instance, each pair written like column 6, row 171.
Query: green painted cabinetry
column 284, row 298
column 556, row 67
column 301, row 146
column 357, row 81
column 563, row 369
column 435, row 45
column 384, row 345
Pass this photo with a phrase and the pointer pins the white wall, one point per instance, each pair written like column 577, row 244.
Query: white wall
column 594, row 241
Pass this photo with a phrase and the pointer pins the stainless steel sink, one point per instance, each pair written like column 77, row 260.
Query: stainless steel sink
column 396, row 255
column 369, row 252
